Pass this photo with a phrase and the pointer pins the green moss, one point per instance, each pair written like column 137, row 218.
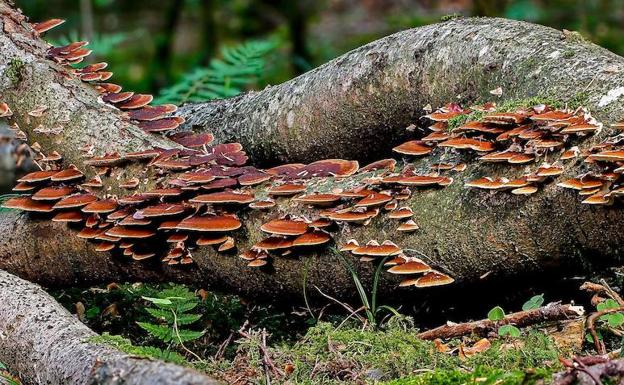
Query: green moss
column 451, row 16
column 460, row 120
column 480, row 375
column 326, row 354
column 14, row 70
column 124, row 345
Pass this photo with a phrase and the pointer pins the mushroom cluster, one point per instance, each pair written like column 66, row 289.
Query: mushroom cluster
column 601, row 183
column 517, row 137
column 166, row 203
column 398, row 263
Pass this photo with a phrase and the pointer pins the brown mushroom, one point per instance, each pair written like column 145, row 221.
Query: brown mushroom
column 408, row 226
column 351, row 244
column 47, row 25
column 52, row 193
column 312, row 238
column 412, row 266
column 318, row 199
column 468, row 143
column 273, row 243
column 28, row 204
column 136, row 101
column 375, row 199
column 75, row 201
column 101, row 207
column 129, row 232
column 262, row 205
column 402, row 213
column 37, row 176
column 68, row 216
column 413, row 147
column 285, row 227
column 223, row 197
column 384, row 250
column 216, row 223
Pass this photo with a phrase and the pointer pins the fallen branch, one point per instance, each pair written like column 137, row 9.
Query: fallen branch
column 44, row 344
column 550, row 312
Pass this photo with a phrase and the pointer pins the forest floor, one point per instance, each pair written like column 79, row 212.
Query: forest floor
column 242, row 341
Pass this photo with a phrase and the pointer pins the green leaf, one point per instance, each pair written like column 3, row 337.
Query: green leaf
column 496, row 314
column 158, row 301
column 607, row 304
column 186, row 335
column 590, row 339
column 615, row 320
column 160, row 332
column 92, row 312
column 509, row 330
column 161, row 314
column 534, row 302
column 186, row 319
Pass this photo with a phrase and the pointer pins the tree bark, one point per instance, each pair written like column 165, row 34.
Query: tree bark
column 44, row 344
column 358, row 104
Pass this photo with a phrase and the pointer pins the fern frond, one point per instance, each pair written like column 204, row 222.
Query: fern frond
column 186, row 319
column 184, row 335
column 240, row 66
column 160, row 332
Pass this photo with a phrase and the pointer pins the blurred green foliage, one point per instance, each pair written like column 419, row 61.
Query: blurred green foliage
column 154, row 45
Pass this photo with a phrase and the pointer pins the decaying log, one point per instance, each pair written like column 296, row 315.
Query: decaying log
column 550, row 312
column 44, row 344
column 466, row 233
column 357, row 106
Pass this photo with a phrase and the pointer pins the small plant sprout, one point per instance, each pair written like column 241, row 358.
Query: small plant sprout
column 497, row 314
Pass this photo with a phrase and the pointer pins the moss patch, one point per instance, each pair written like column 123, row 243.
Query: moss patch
column 330, row 355
column 14, row 70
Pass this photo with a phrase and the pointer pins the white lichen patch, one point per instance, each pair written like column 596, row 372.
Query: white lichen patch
column 611, row 96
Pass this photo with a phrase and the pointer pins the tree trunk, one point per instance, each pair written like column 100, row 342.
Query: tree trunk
column 354, row 107
column 358, row 105
column 44, row 344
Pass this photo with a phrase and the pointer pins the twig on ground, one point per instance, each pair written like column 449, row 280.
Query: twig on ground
column 550, row 312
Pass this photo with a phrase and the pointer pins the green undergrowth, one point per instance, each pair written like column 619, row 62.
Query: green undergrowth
column 233, row 338
column 481, row 376
column 331, row 355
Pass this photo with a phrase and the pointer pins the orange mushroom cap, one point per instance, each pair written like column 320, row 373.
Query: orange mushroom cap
column 312, row 238
column 52, row 193
column 218, row 223
column 413, row 266
column 413, row 147
column 223, row 197
column 285, row 227
column 129, row 232
column 75, row 201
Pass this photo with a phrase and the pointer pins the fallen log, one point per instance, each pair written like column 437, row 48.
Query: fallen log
column 465, row 233
column 44, row 344
column 550, row 312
